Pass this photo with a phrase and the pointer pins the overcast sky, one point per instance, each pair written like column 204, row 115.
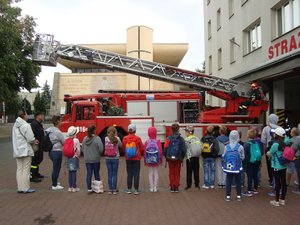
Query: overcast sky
column 106, row 21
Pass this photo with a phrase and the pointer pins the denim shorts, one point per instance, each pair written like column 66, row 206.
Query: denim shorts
column 291, row 167
column 72, row 164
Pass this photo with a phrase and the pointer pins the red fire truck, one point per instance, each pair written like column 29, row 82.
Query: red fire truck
column 148, row 108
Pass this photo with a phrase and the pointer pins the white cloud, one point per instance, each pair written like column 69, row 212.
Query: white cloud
column 102, row 21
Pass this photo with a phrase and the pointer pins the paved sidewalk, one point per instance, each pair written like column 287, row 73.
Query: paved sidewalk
column 185, row 208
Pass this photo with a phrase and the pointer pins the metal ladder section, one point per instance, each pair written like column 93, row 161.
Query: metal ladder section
column 140, row 67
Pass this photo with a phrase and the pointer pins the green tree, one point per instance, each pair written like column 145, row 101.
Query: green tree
column 26, row 106
column 39, row 103
column 46, row 95
column 201, row 70
column 17, row 71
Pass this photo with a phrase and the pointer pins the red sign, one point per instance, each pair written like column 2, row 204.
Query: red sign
column 284, row 46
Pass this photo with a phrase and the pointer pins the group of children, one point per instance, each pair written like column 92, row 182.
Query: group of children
column 223, row 154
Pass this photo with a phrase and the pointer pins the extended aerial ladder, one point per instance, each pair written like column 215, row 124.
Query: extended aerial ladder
column 47, row 52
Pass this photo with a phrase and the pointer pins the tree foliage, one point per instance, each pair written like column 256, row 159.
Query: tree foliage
column 39, row 103
column 46, row 95
column 26, row 106
column 201, row 70
column 17, row 71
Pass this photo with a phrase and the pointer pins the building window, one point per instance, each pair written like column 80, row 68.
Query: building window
column 210, row 65
column 243, row 2
column 219, row 58
column 219, row 19
column 231, row 8
column 209, row 29
column 232, row 50
column 288, row 16
column 253, row 37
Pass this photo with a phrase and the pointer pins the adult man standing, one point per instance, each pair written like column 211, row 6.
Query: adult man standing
column 22, row 138
column 38, row 131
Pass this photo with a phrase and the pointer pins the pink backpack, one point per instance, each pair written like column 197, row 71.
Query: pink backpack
column 288, row 153
column 111, row 150
column 69, row 150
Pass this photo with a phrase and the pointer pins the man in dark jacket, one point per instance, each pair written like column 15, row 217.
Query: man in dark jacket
column 38, row 131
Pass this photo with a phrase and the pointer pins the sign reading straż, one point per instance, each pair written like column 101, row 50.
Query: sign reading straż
column 284, row 46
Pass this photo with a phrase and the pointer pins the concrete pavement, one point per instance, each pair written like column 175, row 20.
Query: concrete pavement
column 185, row 208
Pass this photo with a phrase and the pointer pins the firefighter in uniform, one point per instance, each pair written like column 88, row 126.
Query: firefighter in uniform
column 255, row 95
column 38, row 130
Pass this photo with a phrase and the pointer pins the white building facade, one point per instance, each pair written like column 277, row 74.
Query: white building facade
column 255, row 40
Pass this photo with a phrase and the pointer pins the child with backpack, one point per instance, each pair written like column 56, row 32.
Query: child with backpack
column 72, row 153
column 253, row 155
column 193, row 152
column 275, row 153
column 223, row 140
column 112, row 154
column 133, row 148
column 175, row 151
column 153, row 158
column 210, row 150
column 232, row 164
column 291, row 166
column 92, row 149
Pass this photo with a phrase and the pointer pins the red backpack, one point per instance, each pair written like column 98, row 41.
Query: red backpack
column 69, row 150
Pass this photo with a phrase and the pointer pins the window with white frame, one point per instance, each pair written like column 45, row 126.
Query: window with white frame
column 231, row 8
column 209, row 29
column 210, row 65
column 232, row 50
column 219, row 19
column 253, row 37
column 288, row 16
column 219, row 58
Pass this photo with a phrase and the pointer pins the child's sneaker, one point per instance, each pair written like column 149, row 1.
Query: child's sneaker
column 205, row 187
column 271, row 194
column 114, row 192
column 247, row 194
column 75, row 190
column 57, row 188
column 227, row 198
column 211, row 186
column 155, row 189
column 110, row 192
column 90, row 191
column 70, row 189
column 255, row 191
column 176, row 190
column 128, row 191
column 275, row 203
column 151, row 190
column 172, row 190
column 281, row 202
column 137, row 192
column 239, row 198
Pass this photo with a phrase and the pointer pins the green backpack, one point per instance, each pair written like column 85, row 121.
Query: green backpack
column 255, row 152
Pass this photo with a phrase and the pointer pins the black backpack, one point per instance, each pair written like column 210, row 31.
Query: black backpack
column 47, row 144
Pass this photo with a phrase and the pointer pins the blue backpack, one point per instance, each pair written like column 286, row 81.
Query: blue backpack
column 173, row 151
column 152, row 155
column 232, row 162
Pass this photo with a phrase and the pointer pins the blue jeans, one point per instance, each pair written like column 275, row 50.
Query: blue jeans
column 90, row 169
column 56, row 157
column 72, row 179
column 209, row 168
column 229, row 178
column 112, row 173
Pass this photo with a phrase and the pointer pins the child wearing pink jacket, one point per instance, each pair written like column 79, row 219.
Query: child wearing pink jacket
column 153, row 158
